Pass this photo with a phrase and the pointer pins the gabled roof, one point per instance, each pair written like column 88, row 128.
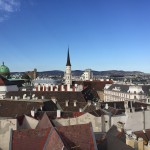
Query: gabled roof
column 95, row 85
column 14, row 108
column 77, row 136
column 68, row 137
column 54, row 141
column 116, row 140
column 145, row 136
column 30, row 139
column 44, row 122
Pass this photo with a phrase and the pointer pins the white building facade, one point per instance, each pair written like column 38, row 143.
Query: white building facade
column 122, row 92
column 87, row 75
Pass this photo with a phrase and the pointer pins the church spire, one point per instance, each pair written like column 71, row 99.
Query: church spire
column 68, row 59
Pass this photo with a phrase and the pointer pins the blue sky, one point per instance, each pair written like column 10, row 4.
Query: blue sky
column 101, row 34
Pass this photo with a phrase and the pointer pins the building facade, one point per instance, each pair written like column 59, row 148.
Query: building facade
column 122, row 92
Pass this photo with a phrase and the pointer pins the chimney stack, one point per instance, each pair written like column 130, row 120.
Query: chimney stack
column 75, row 103
column 58, row 113
column 67, row 103
column 140, row 144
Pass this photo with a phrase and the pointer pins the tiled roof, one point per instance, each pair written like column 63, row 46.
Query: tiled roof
column 123, row 87
column 60, row 96
column 44, row 122
column 95, row 85
column 54, row 142
column 53, row 114
column 78, row 137
column 113, row 143
column 116, row 140
column 4, row 81
column 10, row 108
column 30, row 139
column 145, row 136
column 90, row 94
column 76, row 108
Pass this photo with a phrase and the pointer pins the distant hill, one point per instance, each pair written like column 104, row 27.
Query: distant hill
column 79, row 73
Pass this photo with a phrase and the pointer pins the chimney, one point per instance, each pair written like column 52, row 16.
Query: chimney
column 140, row 144
column 106, row 106
column 75, row 103
column 80, row 110
column 24, row 96
column 42, row 97
column 67, row 102
column 89, row 103
column 43, row 87
column 41, row 107
column 58, row 113
column 132, row 141
column 33, row 111
column 120, row 126
column 28, row 97
column 39, row 87
column 16, row 97
column 33, row 96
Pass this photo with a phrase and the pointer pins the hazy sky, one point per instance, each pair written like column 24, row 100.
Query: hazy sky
column 101, row 34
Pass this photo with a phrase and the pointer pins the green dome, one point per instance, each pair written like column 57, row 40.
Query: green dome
column 4, row 70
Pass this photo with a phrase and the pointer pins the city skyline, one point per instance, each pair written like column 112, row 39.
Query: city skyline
column 101, row 35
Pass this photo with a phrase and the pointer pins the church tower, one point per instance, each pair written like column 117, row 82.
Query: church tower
column 68, row 76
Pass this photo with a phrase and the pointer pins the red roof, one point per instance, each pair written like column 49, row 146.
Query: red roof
column 54, row 142
column 77, row 136
column 30, row 139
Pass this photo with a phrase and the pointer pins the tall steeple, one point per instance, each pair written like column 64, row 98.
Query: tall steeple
column 68, row 59
column 68, row 76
